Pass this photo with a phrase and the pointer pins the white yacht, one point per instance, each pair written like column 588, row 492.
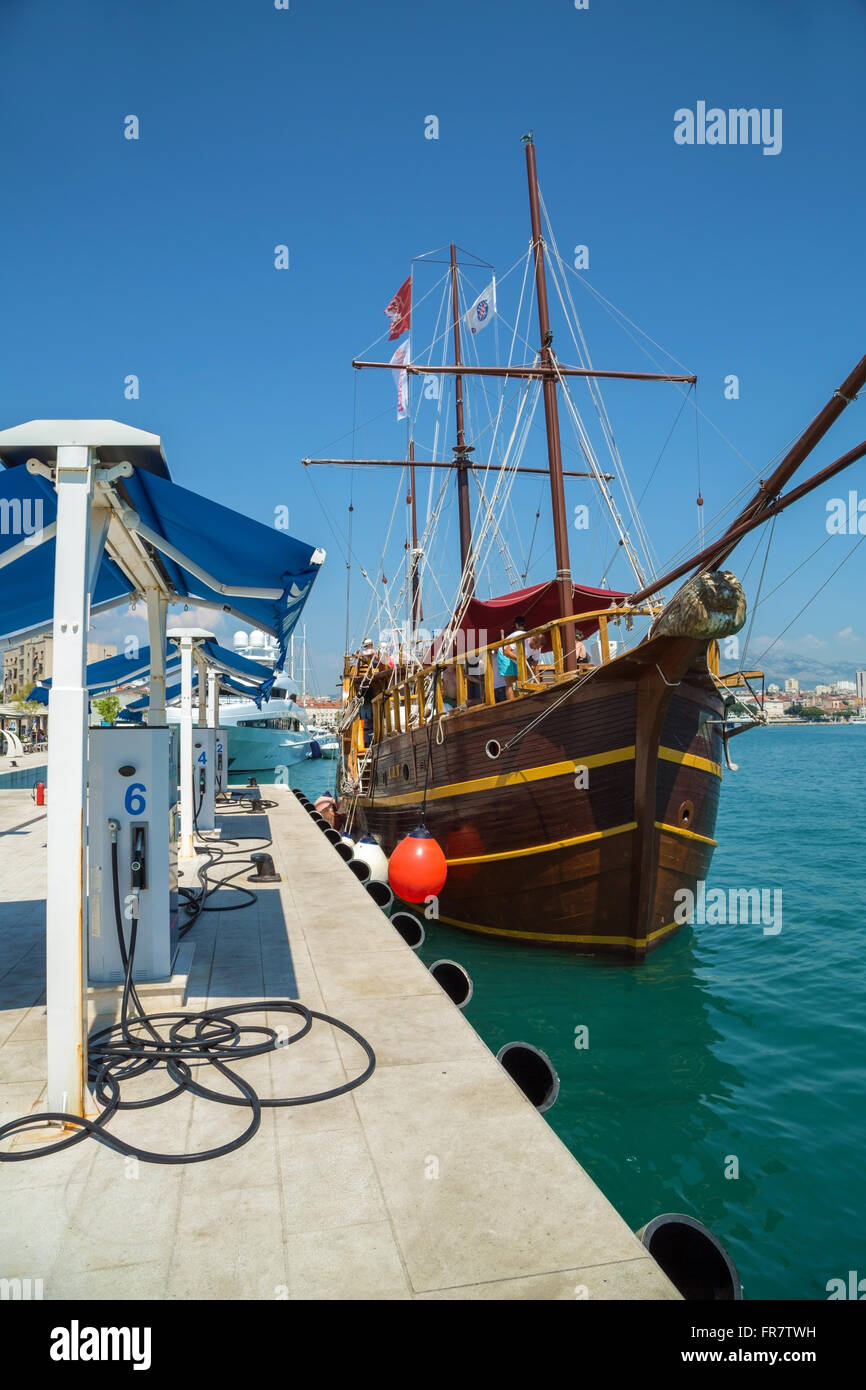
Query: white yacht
column 258, row 646
column 262, row 739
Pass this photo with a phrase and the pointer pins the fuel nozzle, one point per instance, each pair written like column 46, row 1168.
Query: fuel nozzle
column 113, row 829
column 138, row 862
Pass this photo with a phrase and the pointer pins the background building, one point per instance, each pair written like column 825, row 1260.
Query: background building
column 321, row 712
column 31, row 661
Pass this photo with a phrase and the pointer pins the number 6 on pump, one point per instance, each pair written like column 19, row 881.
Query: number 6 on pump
column 135, row 800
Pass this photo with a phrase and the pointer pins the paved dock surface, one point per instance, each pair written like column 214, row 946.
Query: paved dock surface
column 436, row 1179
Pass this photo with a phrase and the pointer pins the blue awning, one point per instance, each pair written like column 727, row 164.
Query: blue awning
column 114, row 671
column 206, row 551
column 173, row 692
column 29, row 505
column 226, row 546
column 233, row 664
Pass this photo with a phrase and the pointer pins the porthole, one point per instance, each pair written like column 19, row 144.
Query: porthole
column 686, row 813
column 406, row 772
column 492, row 748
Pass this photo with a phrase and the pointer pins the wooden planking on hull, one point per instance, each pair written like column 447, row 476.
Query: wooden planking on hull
column 583, row 727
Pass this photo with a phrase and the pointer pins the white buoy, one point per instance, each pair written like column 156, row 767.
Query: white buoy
column 347, row 840
column 371, row 853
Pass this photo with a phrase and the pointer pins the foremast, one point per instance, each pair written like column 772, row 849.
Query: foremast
column 551, row 413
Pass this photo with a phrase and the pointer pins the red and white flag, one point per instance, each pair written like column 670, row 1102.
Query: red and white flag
column 399, row 311
column 401, row 379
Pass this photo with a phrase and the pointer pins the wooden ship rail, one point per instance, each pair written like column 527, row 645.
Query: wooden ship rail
column 414, row 694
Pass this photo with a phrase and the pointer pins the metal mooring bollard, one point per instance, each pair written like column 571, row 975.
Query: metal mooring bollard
column 265, row 871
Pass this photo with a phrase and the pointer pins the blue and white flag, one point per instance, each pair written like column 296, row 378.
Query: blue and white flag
column 401, row 378
column 482, row 310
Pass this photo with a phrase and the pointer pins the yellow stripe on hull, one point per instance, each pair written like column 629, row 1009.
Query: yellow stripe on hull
column 560, row 938
column 687, row 834
column 505, row 779
column 546, row 848
column 671, row 755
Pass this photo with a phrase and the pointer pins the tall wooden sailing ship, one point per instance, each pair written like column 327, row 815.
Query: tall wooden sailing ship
column 575, row 811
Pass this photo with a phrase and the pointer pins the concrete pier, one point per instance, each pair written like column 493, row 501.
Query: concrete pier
column 24, row 771
column 436, row 1179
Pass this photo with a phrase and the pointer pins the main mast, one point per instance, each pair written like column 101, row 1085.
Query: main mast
column 551, row 414
column 461, row 451
column 415, row 554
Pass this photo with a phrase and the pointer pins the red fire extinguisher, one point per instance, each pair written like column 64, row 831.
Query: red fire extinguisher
column 40, row 793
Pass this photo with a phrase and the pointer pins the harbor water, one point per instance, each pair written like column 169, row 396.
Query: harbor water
column 726, row 1076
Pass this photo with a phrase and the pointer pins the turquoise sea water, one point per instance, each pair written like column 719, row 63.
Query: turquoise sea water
column 728, row 1049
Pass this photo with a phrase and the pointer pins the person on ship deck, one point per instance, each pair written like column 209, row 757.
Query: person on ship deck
column 506, row 659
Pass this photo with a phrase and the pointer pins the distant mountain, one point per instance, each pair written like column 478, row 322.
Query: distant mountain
column 808, row 671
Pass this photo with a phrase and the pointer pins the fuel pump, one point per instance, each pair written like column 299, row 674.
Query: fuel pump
column 221, row 776
column 205, row 761
column 131, row 798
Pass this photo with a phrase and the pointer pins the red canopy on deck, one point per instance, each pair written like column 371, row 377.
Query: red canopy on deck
column 536, row 605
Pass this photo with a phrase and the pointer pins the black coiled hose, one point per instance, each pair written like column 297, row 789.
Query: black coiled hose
column 180, row 1044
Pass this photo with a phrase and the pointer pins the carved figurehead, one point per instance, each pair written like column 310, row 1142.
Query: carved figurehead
column 708, row 606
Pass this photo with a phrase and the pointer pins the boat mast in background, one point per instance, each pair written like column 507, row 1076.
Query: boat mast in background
column 551, row 415
column 460, row 450
column 551, row 374
column 415, row 555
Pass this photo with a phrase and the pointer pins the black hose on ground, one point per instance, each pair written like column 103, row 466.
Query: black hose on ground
column 186, row 1042
column 215, row 854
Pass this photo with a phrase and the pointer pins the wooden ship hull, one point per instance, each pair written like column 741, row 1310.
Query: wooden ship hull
column 583, row 829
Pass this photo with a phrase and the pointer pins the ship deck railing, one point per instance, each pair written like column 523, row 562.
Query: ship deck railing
column 466, row 680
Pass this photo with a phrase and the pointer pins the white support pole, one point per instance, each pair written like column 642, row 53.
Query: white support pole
column 201, row 664
column 188, row 639
column 66, row 899
column 187, row 827
column 213, row 699
column 156, row 618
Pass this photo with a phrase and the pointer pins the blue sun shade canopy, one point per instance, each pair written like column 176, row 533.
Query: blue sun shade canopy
column 207, row 551
column 28, row 506
column 116, row 671
column 173, row 692
column 238, row 552
column 112, row 672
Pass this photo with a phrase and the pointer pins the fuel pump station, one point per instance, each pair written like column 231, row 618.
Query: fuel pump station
column 204, row 781
column 221, row 742
column 208, row 745
column 132, row 837
column 132, row 856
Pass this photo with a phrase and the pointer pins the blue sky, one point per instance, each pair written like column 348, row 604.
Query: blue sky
column 306, row 127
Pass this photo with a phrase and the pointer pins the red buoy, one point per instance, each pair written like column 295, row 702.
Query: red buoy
column 417, row 869
column 40, row 793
